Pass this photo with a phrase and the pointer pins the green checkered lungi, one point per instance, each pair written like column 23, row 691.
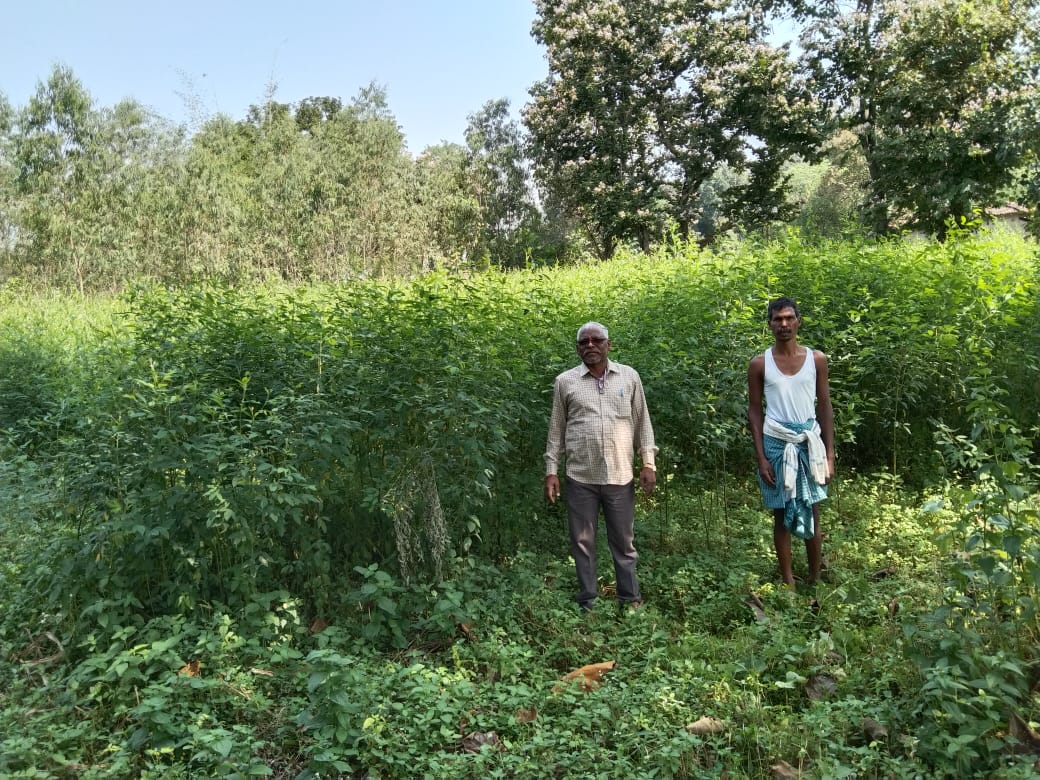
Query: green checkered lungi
column 798, row 517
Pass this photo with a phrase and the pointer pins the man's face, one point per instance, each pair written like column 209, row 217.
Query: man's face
column 784, row 324
column 593, row 346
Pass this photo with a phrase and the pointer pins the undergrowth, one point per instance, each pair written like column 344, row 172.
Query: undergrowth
column 462, row 679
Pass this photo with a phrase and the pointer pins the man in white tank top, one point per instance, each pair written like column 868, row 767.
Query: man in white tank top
column 793, row 434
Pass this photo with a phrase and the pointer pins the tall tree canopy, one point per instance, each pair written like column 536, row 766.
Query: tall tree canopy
column 91, row 196
column 7, row 175
column 647, row 99
column 78, row 177
column 504, row 190
column 941, row 94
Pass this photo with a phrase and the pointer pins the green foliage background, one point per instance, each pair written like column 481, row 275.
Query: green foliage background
column 203, row 472
column 270, row 431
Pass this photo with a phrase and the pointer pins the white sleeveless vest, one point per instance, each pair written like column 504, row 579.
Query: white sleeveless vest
column 790, row 398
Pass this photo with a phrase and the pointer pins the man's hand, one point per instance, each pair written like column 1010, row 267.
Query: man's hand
column 765, row 468
column 552, row 487
column 647, row 479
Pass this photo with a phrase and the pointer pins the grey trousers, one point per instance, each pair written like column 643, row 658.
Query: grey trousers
column 618, row 503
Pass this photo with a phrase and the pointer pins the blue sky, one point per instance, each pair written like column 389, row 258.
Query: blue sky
column 439, row 60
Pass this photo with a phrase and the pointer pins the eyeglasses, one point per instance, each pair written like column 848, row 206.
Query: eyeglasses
column 591, row 340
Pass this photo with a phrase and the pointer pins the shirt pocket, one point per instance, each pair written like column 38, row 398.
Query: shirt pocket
column 620, row 404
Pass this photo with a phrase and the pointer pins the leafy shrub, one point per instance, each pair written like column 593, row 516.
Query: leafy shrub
column 222, row 471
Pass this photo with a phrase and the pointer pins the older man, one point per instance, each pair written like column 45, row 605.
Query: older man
column 599, row 420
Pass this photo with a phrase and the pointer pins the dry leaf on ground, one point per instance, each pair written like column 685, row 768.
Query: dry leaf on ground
column 527, row 716
column 706, row 725
column 475, row 740
column 820, row 686
column 588, row 676
column 319, row 625
column 783, row 771
column 873, row 730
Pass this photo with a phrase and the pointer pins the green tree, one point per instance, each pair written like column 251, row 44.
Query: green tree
column 647, row 99
column 450, row 205
column 204, row 194
column 826, row 195
column 315, row 191
column 503, row 184
column 368, row 187
column 312, row 111
column 938, row 94
column 79, row 170
column 283, row 168
column 7, row 181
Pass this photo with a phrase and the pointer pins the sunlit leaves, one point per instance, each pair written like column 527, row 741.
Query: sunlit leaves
column 645, row 101
column 79, row 171
column 941, row 95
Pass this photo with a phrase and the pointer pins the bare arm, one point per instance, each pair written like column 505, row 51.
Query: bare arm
column 756, row 383
column 824, row 409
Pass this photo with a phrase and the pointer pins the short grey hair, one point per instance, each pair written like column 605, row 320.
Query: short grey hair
column 596, row 325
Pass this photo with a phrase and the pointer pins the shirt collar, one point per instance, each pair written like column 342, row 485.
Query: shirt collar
column 611, row 368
